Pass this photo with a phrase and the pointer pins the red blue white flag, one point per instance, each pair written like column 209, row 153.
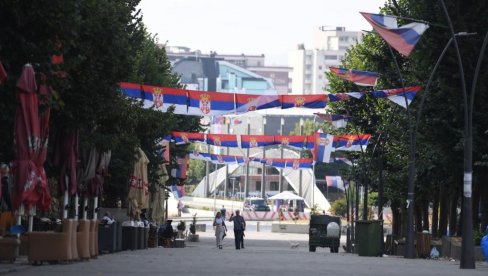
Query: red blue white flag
column 178, row 191
column 223, row 159
column 131, row 90
column 187, row 137
column 351, row 142
column 306, row 101
column 253, row 141
column 182, row 167
column 403, row 39
column 293, row 141
column 336, row 120
column 204, row 103
column 363, row 78
column 310, row 142
column 248, row 102
column 398, row 95
column 163, row 98
column 342, row 160
column 334, row 182
column 299, row 164
column 196, row 155
column 323, row 147
column 222, row 140
column 243, row 160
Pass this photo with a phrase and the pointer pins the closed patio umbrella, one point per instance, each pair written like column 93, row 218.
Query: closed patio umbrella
column 157, row 206
column 139, row 187
column 30, row 184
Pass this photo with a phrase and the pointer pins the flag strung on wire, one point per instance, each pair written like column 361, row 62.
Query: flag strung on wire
column 196, row 155
column 334, row 182
column 187, row 137
column 351, row 142
column 222, row 140
column 342, row 160
column 363, row 78
column 253, row 141
column 162, row 98
column 293, row 141
column 249, row 102
column 336, row 120
column 305, row 101
column 299, row 164
column 204, row 103
column 181, row 170
column 398, row 95
column 323, row 147
column 274, row 162
column 243, row 160
column 223, row 159
column 403, row 39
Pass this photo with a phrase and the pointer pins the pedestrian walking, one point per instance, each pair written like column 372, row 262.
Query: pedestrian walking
column 239, row 227
column 223, row 211
column 220, row 229
column 180, row 207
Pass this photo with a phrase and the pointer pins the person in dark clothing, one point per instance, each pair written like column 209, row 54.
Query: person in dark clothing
column 166, row 233
column 239, row 227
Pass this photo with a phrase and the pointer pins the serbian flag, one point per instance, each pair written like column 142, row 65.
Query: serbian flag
column 398, row 95
column 163, row 97
column 253, row 141
column 363, row 78
column 3, row 73
column 178, row 191
column 310, row 142
column 132, row 90
column 293, row 141
column 323, row 147
column 342, row 160
column 187, row 137
column 166, row 152
column 306, row 101
column 204, row 103
column 243, row 160
column 336, row 97
column 334, row 181
column 351, row 142
column 196, row 155
column 299, row 164
column 248, row 102
column 336, row 120
column 403, row 38
column 223, row 159
column 278, row 163
column 182, row 167
column 222, row 140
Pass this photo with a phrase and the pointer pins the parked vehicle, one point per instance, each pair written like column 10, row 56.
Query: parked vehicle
column 256, row 204
column 325, row 231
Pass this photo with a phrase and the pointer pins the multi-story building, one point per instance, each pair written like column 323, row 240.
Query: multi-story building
column 309, row 65
column 278, row 75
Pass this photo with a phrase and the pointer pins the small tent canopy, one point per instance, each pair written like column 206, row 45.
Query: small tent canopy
column 286, row 195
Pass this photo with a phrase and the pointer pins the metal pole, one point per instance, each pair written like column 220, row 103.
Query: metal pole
column 348, row 220
column 282, row 123
column 300, row 188
column 263, row 175
column 207, row 175
column 246, row 181
column 227, row 167
column 467, row 247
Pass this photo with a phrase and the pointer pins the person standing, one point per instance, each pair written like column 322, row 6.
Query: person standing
column 180, row 207
column 220, row 229
column 239, row 227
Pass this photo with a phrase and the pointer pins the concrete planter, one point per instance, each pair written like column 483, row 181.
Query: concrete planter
column 290, row 228
column 451, row 248
column 193, row 238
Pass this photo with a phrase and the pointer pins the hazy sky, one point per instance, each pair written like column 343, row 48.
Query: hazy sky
column 270, row 27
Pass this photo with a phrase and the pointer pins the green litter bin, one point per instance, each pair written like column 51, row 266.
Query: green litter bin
column 368, row 237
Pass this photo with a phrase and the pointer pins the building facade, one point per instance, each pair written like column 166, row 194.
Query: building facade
column 309, row 65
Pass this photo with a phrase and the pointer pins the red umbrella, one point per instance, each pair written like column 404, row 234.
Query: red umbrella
column 66, row 156
column 30, row 185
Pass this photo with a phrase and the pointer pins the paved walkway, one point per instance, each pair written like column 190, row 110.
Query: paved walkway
column 265, row 254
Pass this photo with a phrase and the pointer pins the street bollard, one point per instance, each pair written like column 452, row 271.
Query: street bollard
column 257, row 226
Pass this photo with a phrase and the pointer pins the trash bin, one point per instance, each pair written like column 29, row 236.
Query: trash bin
column 129, row 236
column 368, row 237
column 107, row 238
column 118, row 239
column 423, row 244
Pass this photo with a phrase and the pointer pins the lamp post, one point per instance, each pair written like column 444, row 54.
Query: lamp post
column 263, row 175
column 282, row 123
column 300, row 189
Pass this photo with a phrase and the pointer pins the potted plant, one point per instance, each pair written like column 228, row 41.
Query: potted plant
column 193, row 237
column 181, row 228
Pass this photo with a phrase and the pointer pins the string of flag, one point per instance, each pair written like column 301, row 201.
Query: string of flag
column 210, row 103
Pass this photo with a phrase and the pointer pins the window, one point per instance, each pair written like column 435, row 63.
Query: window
column 260, row 171
column 274, row 186
column 320, row 67
column 258, row 185
column 330, row 57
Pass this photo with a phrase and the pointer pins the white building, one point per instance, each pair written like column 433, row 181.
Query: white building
column 309, row 65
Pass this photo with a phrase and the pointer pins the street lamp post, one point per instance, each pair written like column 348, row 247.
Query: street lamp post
column 282, row 123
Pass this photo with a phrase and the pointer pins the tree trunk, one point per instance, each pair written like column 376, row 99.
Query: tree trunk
column 396, row 219
column 435, row 211
column 444, row 212
column 484, row 201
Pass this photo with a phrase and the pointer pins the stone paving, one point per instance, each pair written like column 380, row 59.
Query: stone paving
column 265, row 253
